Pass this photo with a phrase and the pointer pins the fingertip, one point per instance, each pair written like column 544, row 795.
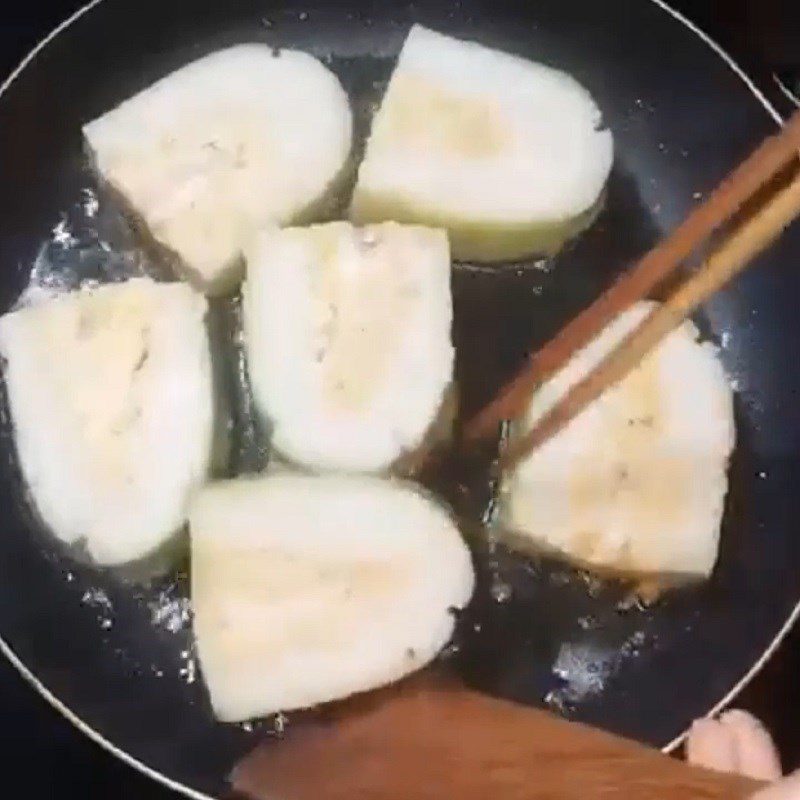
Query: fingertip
column 711, row 745
column 756, row 754
column 740, row 717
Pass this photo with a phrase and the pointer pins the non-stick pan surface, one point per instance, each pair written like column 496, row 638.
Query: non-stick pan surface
column 120, row 656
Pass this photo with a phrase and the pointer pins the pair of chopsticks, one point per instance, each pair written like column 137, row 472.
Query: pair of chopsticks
column 728, row 258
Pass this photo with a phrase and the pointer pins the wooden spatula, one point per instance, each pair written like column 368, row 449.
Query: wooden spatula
column 423, row 741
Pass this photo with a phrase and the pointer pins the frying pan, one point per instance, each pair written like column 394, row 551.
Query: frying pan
column 116, row 657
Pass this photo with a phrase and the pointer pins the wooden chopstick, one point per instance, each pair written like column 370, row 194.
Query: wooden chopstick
column 765, row 163
column 727, row 261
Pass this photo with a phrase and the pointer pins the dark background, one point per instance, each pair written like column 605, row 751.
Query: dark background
column 764, row 36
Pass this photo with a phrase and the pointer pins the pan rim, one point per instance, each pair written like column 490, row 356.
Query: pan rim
column 159, row 777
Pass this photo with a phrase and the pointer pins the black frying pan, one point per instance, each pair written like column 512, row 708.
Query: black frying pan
column 118, row 657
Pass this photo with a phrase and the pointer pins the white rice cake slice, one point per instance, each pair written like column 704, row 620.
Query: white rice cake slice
column 348, row 340
column 310, row 589
column 636, row 484
column 110, row 393
column 240, row 138
column 507, row 155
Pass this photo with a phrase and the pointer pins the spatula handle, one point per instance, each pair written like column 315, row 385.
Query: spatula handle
column 431, row 743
